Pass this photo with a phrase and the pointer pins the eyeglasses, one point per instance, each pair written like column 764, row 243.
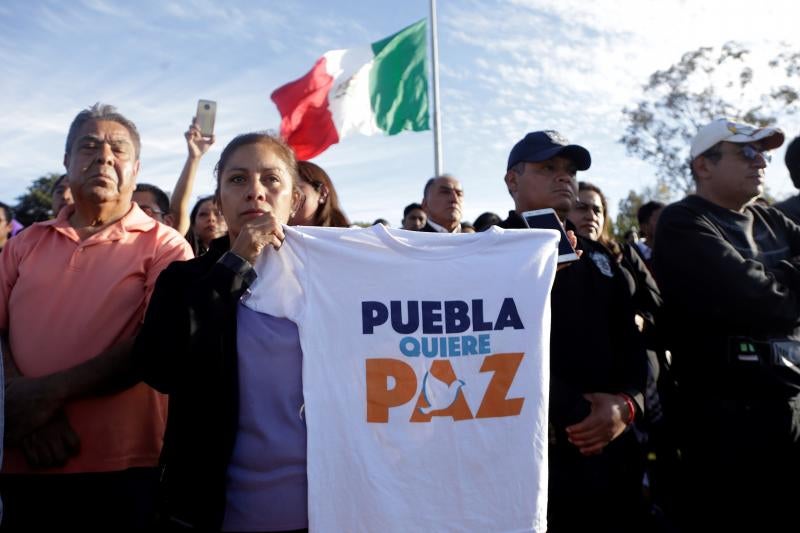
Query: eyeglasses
column 750, row 152
column 582, row 206
column 151, row 212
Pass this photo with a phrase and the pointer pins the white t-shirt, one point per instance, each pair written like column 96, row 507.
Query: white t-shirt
column 425, row 364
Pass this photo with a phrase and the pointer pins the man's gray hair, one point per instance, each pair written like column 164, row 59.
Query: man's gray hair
column 102, row 112
column 429, row 183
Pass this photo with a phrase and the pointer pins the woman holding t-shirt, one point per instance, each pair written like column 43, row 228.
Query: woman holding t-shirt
column 234, row 454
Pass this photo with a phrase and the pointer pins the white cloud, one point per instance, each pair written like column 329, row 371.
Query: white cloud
column 508, row 67
column 573, row 65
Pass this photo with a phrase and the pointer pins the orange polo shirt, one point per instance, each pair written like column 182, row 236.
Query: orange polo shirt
column 64, row 301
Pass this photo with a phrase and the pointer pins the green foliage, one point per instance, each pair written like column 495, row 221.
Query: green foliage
column 629, row 206
column 626, row 215
column 704, row 85
column 36, row 204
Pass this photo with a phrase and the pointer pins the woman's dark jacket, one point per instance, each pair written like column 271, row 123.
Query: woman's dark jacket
column 187, row 349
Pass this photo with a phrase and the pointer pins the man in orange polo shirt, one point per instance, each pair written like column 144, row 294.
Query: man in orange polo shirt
column 83, row 438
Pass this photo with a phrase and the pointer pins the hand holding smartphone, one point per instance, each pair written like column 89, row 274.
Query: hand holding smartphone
column 547, row 219
column 206, row 114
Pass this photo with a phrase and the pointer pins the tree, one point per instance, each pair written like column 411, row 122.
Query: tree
column 702, row 86
column 629, row 206
column 626, row 215
column 36, row 204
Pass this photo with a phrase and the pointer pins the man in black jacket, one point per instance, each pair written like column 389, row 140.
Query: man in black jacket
column 597, row 363
column 729, row 276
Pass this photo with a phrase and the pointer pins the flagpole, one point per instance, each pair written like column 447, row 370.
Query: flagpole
column 437, row 133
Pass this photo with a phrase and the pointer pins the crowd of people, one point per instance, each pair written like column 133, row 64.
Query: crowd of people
column 140, row 393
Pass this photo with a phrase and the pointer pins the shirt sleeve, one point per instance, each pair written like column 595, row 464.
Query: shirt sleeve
column 174, row 248
column 9, row 272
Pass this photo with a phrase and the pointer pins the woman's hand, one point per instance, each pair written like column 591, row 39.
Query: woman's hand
column 195, row 142
column 256, row 234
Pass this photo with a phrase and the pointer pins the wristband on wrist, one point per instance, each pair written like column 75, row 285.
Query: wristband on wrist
column 631, row 408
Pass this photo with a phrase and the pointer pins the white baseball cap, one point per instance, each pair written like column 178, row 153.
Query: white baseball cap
column 724, row 129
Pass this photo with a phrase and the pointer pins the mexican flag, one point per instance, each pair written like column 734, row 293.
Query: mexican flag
column 380, row 88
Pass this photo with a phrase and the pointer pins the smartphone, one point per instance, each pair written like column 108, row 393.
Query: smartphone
column 206, row 113
column 547, row 219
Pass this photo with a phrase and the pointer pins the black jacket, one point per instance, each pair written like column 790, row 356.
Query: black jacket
column 427, row 228
column 725, row 274
column 187, row 349
column 594, row 345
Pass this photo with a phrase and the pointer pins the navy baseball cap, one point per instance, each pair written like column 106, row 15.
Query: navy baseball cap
column 543, row 145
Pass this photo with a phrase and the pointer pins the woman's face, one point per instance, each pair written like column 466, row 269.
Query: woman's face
column 314, row 197
column 255, row 181
column 209, row 223
column 587, row 215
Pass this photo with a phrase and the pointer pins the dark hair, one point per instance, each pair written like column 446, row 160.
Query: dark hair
column 428, row 185
column 605, row 237
column 713, row 154
column 161, row 198
column 410, row 207
column 646, row 211
column 61, row 178
column 792, row 160
column 194, row 242
column 486, row 220
column 518, row 169
column 196, row 209
column 102, row 112
column 8, row 211
column 282, row 150
column 329, row 213
column 381, row 221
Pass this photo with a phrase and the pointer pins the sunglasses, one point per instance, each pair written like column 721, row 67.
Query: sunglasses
column 582, row 206
column 750, row 152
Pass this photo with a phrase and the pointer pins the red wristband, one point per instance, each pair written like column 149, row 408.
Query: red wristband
column 631, row 407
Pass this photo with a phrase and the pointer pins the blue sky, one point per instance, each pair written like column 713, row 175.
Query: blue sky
column 507, row 67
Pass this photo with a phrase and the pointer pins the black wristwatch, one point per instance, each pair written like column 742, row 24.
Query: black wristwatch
column 238, row 265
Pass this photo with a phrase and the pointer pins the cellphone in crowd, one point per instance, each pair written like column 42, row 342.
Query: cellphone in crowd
column 547, row 219
column 206, row 112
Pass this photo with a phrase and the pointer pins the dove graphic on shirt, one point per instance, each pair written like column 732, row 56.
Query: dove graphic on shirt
column 438, row 394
